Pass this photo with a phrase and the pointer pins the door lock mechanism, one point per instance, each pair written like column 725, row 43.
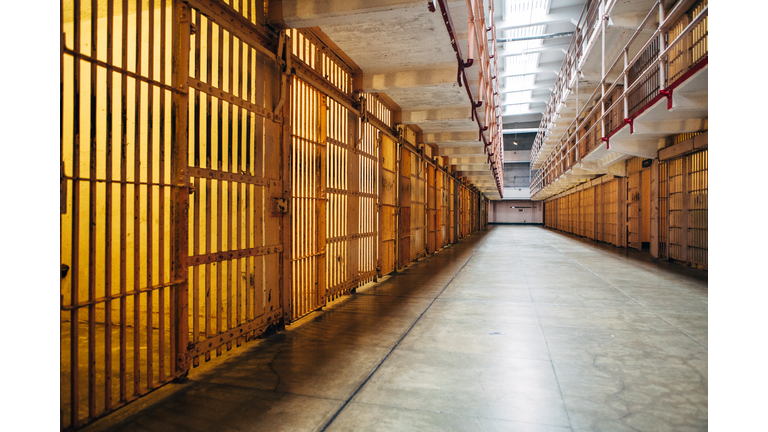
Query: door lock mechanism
column 279, row 205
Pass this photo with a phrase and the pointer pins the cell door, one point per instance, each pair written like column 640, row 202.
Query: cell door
column 418, row 207
column 235, row 167
column 431, row 210
column 387, row 204
column 405, row 208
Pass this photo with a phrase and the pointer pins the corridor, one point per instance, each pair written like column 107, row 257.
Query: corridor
column 514, row 328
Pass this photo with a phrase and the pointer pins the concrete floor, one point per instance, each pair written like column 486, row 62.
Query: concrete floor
column 517, row 328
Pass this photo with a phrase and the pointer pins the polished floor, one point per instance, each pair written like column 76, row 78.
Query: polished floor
column 518, row 328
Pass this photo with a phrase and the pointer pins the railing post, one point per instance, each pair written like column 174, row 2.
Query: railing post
column 662, row 47
column 602, row 75
column 626, row 83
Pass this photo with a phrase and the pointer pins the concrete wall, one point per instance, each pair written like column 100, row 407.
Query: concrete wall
column 524, row 211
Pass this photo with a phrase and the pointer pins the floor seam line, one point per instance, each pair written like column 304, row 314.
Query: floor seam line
column 549, row 353
column 376, row 368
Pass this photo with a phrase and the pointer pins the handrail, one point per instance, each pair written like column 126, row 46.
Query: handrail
column 476, row 13
column 566, row 144
column 572, row 56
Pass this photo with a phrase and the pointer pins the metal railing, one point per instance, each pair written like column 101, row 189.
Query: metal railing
column 639, row 84
column 488, row 73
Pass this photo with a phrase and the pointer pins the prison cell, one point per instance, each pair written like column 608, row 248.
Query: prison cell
column 693, row 46
column 118, row 192
column 431, row 210
column 405, row 207
column 388, row 206
column 209, row 190
column 698, row 205
column 443, row 211
column 452, row 214
column 418, row 206
column 676, row 210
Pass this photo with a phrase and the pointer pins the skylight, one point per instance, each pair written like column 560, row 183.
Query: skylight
column 526, row 8
column 520, row 65
column 516, row 109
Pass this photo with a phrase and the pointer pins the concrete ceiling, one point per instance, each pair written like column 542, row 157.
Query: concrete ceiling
column 405, row 51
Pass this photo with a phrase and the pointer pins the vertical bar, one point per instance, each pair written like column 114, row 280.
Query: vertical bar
column 247, row 168
column 242, row 115
column 108, row 220
column 180, row 178
column 380, row 207
column 161, row 211
column 208, row 188
column 220, row 183
column 150, row 195
column 230, row 165
column 320, row 184
column 684, row 211
column 287, row 185
column 124, row 206
column 137, row 210
column 662, row 47
column 626, row 84
column 75, row 269
column 92, row 216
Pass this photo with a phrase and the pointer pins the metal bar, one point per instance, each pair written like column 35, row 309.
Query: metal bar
column 108, row 217
column 179, row 212
column 662, row 49
column 313, row 78
column 197, row 142
column 149, row 238
column 602, row 74
column 161, row 176
column 205, row 346
column 92, row 161
column 249, row 165
column 123, row 205
column 75, row 264
column 320, row 180
column 259, row 37
column 241, row 116
column 137, row 209
column 120, row 70
column 288, row 182
column 229, row 186
column 228, row 96
column 232, row 177
column 109, row 298
column 233, row 254
column 224, row 79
